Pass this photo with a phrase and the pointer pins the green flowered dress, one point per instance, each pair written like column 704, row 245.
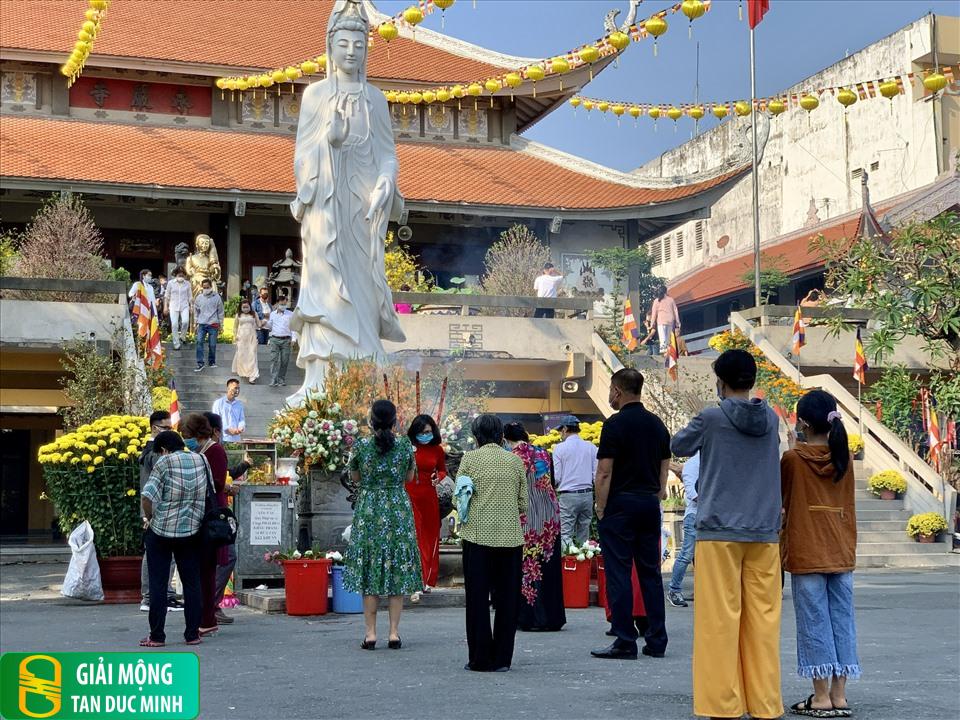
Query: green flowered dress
column 382, row 557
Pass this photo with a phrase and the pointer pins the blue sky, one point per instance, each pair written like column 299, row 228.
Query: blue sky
column 796, row 39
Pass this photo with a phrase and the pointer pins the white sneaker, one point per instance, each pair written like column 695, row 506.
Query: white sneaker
column 144, row 607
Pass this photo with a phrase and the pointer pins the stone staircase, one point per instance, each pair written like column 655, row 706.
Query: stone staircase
column 882, row 539
column 197, row 391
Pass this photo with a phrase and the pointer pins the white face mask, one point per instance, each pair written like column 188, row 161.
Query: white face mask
column 147, row 278
column 180, row 279
column 208, row 291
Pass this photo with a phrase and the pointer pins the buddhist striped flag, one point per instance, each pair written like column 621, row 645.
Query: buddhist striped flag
column 799, row 338
column 673, row 355
column 860, row 366
column 932, row 422
column 630, row 333
column 153, row 346
column 174, row 406
column 142, row 310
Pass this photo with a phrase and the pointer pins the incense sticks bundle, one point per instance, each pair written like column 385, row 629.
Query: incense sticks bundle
column 418, row 392
column 443, row 396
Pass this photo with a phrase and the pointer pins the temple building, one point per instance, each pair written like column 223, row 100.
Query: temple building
column 160, row 153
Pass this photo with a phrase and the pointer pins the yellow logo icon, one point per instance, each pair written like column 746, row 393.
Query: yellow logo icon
column 47, row 687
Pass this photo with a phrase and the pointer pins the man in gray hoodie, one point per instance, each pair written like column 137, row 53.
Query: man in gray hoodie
column 736, row 620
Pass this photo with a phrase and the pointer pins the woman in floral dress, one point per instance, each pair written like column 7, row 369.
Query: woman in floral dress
column 382, row 557
column 542, row 584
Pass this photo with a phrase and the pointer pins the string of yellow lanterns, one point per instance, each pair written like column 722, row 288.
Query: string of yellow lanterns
column 933, row 81
column 89, row 30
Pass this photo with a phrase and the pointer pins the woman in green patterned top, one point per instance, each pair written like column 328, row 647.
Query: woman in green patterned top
column 382, row 557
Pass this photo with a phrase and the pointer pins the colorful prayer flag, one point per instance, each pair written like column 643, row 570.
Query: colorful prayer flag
column 673, row 355
column 934, row 438
column 630, row 334
column 799, row 338
column 860, row 366
column 756, row 9
column 174, row 406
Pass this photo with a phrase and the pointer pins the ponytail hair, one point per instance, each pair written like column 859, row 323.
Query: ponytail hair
column 818, row 409
column 383, row 416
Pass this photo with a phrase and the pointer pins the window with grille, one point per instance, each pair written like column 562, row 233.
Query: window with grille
column 679, row 243
column 666, row 249
column 698, row 235
column 656, row 256
column 856, row 173
column 875, row 165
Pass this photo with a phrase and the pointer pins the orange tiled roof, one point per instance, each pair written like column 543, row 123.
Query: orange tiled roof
column 264, row 34
column 725, row 278
column 78, row 150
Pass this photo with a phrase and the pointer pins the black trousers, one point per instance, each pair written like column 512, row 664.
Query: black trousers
column 489, row 570
column 630, row 533
column 186, row 550
column 544, row 313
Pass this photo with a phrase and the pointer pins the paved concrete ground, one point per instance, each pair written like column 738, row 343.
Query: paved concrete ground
column 282, row 667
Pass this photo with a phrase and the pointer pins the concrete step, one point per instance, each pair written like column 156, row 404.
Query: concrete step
column 897, row 533
column 944, row 559
column 889, row 526
column 864, row 503
column 871, row 514
column 903, row 547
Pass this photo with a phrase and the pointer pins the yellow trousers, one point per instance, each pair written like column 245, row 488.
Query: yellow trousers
column 736, row 630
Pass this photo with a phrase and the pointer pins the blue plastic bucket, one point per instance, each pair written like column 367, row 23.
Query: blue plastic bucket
column 344, row 601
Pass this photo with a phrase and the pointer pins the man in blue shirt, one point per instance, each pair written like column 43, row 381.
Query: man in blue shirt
column 231, row 412
column 690, row 474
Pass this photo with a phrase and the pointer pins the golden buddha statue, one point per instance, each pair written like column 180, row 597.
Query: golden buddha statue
column 203, row 264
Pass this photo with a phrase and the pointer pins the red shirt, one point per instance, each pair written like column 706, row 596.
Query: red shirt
column 217, row 457
column 430, row 459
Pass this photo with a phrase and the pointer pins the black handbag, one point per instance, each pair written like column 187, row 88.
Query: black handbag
column 219, row 524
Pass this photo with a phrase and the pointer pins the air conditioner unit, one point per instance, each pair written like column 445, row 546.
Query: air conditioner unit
column 404, row 233
column 556, row 224
column 569, row 386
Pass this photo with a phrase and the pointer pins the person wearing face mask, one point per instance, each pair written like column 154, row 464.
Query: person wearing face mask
column 261, row 306
column 431, row 468
column 278, row 327
column 208, row 313
column 177, row 305
column 146, row 283
column 633, row 461
column 245, row 338
column 199, row 438
column 736, row 618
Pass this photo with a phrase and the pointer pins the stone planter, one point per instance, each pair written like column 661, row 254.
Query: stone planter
column 926, row 539
column 888, row 495
column 324, row 510
column 121, row 578
column 858, row 455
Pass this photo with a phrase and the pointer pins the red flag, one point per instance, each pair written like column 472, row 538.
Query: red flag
column 756, row 10
column 860, row 366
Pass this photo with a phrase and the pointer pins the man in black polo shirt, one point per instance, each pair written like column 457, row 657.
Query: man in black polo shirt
column 633, row 461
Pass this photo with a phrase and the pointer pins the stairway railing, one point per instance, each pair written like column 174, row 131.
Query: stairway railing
column 927, row 491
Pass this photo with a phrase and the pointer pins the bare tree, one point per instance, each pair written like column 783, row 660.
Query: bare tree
column 513, row 263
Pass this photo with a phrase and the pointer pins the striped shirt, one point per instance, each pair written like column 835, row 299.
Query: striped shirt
column 499, row 497
column 177, row 488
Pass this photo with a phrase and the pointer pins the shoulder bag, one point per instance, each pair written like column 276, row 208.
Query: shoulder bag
column 219, row 524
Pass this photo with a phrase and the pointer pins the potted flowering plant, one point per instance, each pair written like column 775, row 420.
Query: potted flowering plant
column 855, row 443
column 577, row 560
column 924, row 527
column 888, row 485
column 93, row 474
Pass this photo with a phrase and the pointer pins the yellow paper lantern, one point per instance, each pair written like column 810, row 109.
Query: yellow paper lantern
column 634, row 112
column 321, row 60
column 720, row 111
column 846, row 97
column 84, row 35
column 474, row 89
column 391, row 96
column 242, row 84
column 68, row 69
column 309, row 67
column 89, row 26
column 388, row 31
column 588, row 105
column 535, row 73
column 266, row 80
column 618, row 110
column 889, row 89
column 443, row 95
column 603, row 106
column 809, row 102
column 935, row 82
column 693, row 9
column 491, row 86
column 575, row 101
column 413, row 15
column 776, row 107
column 82, row 46
column 656, row 26
column 403, row 98
column 696, row 112
column 559, row 65
column 429, row 96
column 278, row 76
column 618, row 40
column 457, row 91
column 253, row 81
column 742, row 108
column 91, row 14
column 674, row 113
column 444, row 4
column 654, row 112
column 221, row 83
column 589, row 53
column 98, row 4
column 291, row 73
column 416, row 98
column 513, row 79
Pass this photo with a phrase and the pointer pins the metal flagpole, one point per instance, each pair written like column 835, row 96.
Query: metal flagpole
column 859, row 408
column 756, row 180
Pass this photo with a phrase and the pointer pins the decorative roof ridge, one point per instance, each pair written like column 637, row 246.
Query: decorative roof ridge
column 452, row 45
column 602, row 172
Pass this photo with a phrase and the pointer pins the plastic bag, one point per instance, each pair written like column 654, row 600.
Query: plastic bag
column 83, row 575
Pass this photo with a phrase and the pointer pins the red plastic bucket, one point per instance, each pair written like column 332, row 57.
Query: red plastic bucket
column 576, row 583
column 601, row 583
column 306, row 583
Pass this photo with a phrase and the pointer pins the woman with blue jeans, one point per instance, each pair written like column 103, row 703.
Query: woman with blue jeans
column 819, row 550
column 690, row 474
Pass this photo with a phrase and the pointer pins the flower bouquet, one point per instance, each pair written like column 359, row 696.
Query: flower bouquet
column 584, row 552
column 315, row 431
